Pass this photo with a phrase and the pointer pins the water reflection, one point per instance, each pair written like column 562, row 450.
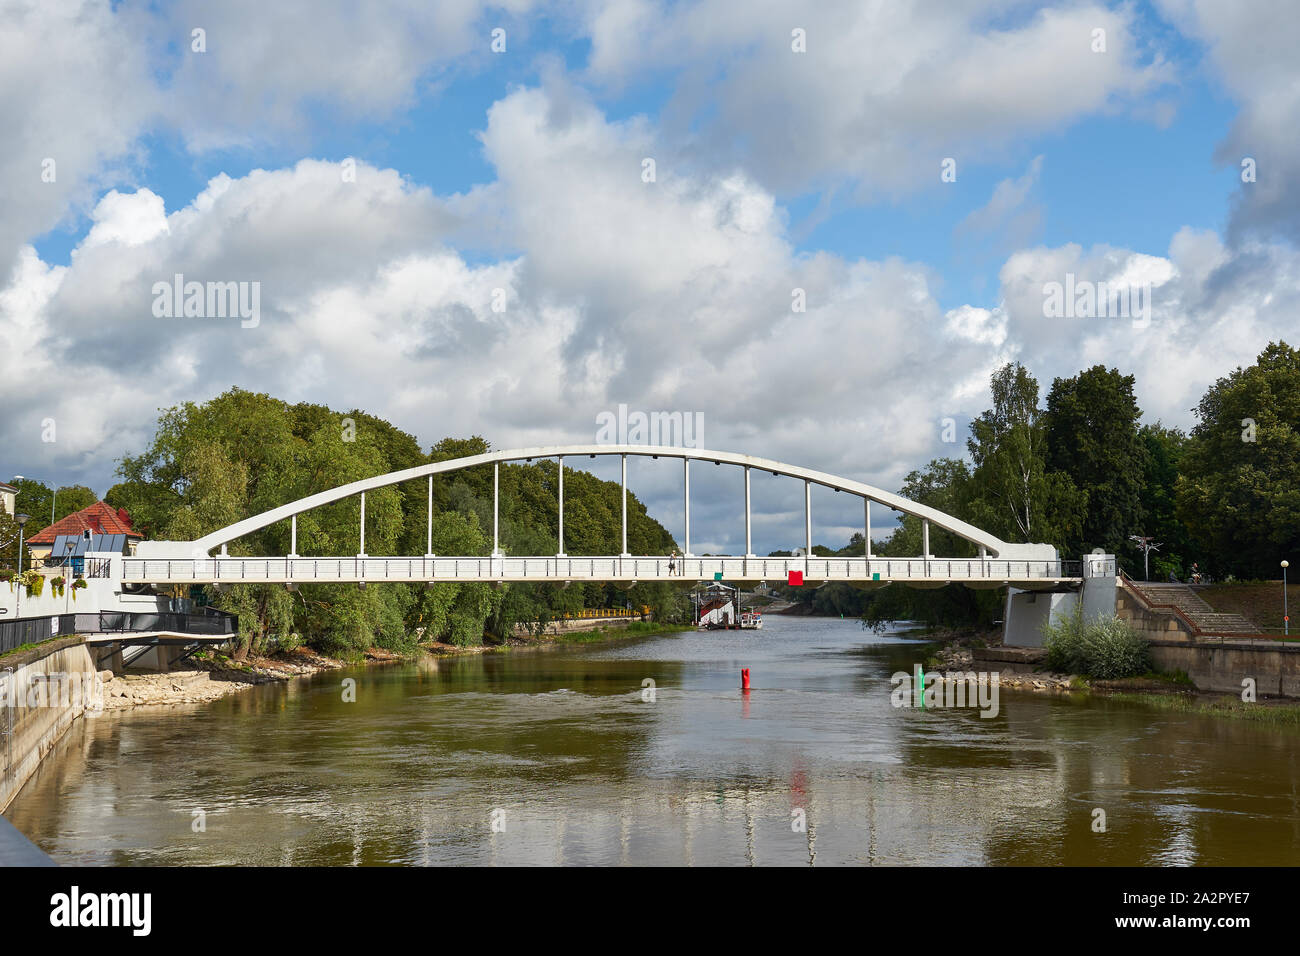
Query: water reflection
column 813, row 766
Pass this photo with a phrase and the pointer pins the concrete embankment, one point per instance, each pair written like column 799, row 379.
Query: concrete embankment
column 1273, row 666
column 45, row 689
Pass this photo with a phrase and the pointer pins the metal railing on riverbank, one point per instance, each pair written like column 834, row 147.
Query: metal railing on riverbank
column 16, row 633
column 1193, row 628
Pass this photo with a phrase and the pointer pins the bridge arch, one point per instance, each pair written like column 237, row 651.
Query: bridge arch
column 989, row 545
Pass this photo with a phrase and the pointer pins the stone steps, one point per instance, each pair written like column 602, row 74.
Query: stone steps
column 1193, row 607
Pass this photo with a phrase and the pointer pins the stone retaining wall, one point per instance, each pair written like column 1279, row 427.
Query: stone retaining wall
column 46, row 692
column 1223, row 667
column 1153, row 625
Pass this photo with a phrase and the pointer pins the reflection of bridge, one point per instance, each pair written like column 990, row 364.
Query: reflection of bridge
column 999, row 563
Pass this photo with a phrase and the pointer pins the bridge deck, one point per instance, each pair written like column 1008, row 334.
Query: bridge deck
column 306, row 570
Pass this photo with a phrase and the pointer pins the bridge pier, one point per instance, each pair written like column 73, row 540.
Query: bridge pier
column 1028, row 610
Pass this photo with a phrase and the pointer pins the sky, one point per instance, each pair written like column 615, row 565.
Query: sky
column 822, row 226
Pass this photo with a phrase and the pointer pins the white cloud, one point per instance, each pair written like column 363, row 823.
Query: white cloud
column 1252, row 50
column 884, row 91
column 1210, row 312
column 75, row 92
column 267, row 66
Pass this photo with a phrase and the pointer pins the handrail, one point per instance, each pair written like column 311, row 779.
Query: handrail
column 1175, row 611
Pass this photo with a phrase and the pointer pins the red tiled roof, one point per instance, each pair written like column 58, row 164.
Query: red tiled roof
column 99, row 518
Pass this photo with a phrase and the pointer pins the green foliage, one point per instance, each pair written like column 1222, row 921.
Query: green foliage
column 1164, row 452
column 31, row 581
column 1102, row 648
column 1092, row 436
column 1239, row 497
column 73, row 498
column 8, row 542
column 1017, row 497
column 243, row 453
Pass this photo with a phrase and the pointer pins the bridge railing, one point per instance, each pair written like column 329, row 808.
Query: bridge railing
column 234, row 570
column 34, row 630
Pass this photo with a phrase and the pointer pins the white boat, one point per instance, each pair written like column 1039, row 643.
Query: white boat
column 751, row 620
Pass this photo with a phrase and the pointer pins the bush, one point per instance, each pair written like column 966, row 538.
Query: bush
column 1105, row 648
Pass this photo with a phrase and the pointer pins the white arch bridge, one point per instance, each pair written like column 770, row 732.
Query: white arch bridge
column 1029, row 566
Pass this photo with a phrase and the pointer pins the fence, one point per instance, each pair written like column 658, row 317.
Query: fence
column 330, row 570
column 14, row 634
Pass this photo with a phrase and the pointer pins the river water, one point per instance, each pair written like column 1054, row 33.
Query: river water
column 556, row 757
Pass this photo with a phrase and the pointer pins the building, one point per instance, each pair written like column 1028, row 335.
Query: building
column 97, row 519
column 7, row 494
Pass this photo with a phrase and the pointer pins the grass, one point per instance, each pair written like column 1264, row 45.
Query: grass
column 26, row 647
column 1281, row 714
column 601, row 634
column 1259, row 602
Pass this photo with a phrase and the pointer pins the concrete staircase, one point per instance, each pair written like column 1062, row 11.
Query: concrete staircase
column 1191, row 607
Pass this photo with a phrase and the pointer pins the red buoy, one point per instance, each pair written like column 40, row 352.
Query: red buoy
column 744, row 678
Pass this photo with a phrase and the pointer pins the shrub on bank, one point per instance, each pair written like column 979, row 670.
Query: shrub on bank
column 1105, row 648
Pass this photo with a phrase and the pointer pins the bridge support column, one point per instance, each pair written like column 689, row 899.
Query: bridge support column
column 362, row 552
column 749, row 550
column 866, row 525
column 925, row 539
column 623, row 479
column 686, row 546
column 428, row 546
column 807, row 522
column 293, row 537
column 496, row 509
column 560, row 553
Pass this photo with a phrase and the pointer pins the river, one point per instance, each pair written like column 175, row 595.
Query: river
column 557, row 757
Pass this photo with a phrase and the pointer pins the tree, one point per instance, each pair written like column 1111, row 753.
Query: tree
column 1092, row 436
column 243, row 453
column 946, row 484
column 8, row 541
column 71, row 499
column 1159, row 520
column 1239, row 491
column 33, row 499
column 1015, row 495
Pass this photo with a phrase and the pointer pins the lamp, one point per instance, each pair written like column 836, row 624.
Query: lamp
column 1286, row 617
column 20, row 520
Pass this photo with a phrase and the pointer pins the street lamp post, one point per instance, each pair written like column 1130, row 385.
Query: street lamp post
column 20, row 520
column 1286, row 616
column 1147, row 544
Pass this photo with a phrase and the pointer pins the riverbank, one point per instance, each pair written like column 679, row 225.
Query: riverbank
column 1168, row 692
column 215, row 675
